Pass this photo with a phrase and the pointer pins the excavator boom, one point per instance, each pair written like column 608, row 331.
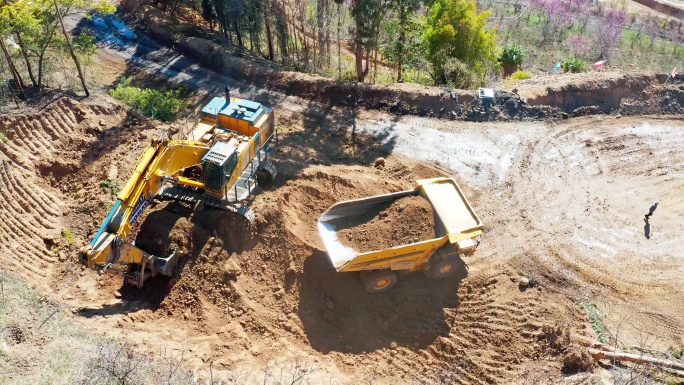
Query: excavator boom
column 160, row 162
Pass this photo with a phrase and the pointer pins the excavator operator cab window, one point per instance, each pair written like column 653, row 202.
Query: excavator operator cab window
column 230, row 165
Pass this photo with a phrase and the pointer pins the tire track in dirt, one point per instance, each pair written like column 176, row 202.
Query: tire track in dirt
column 591, row 184
column 32, row 210
column 565, row 202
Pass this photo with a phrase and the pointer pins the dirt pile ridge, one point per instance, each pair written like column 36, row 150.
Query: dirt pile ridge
column 35, row 150
column 403, row 221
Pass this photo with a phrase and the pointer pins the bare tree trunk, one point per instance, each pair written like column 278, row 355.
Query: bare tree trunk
column 71, row 50
column 668, row 365
column 238, row 34
column 322, row 15
column 13, row 69
column 402, row 42
column 375, row 65
column 302, row 20
column 26, row 59
column 358, row 52
column 339, row 56
column 269, row 35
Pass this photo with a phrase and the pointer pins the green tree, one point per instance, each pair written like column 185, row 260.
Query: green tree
column 403, row 34
column 368, row 15
column 37, row 24
column 459, row 46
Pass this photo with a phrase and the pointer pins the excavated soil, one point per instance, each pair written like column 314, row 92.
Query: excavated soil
column 403, row 221
column 263, row 297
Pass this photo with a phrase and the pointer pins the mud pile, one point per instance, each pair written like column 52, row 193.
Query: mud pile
column 406, row 220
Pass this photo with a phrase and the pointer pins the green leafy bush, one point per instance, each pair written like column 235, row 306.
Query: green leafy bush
column 574, row 65
column 596, row 320
column 69, row 236
column 113, row 186
column 152, row 103
column 512, row 80
column 521, row 75
column 459, row 46
column 512, row 56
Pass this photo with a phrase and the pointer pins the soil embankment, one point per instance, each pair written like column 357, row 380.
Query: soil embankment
column 565, row 95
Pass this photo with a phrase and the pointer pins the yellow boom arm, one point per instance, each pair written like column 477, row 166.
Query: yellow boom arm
column 160, row 161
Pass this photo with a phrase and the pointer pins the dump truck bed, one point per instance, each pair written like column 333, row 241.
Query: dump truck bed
column 454, row 221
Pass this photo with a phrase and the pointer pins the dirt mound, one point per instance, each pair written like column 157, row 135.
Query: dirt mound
column 406, row 220
column 288, row 289
column 34, row 148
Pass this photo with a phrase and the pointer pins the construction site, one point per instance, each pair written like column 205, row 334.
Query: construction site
column 564, row 253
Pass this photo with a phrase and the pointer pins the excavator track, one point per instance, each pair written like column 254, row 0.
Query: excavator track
column 187, row 195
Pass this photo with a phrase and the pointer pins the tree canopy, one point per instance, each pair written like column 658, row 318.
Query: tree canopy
column 459, row 46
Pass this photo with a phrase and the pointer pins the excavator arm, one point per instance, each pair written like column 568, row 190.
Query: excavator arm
column 162, row 161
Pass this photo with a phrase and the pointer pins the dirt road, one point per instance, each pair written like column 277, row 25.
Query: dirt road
column 562, row 202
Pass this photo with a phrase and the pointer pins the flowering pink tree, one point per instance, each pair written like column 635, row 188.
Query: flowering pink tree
column 652, row 30
column 608, row 31
column 578, row 44
column 559, row 15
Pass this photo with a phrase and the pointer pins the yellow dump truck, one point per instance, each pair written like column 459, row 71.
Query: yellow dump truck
column 458, row 232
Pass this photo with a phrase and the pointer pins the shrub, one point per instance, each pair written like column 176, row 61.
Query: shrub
column 574, row 65
column 521, row 75
column 459, row 75
column 152, row 103
column 596, row 320
column 511, row 58
column 113, row 186
column 69, row 236
column 456, row 32
column 512, row 80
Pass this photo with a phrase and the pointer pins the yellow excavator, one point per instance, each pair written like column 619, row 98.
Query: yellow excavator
column 220, row 162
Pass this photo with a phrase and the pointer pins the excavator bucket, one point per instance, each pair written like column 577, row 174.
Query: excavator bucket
column 165, row 265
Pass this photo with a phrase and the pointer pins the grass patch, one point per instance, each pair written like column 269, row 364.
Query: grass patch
column 676, row 352
column 113, row 186
column 63, row 352
column 164, row 106
column 596, row 320
column 517, row 76
column 68, row 235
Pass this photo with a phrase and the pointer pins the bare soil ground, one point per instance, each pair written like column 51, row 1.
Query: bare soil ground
column 563, row 202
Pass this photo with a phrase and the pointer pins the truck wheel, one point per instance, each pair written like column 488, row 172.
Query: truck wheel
column 443, row 269
column 379, row 281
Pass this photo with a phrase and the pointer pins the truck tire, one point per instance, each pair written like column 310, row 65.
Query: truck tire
column 444, row 268
column 379, row 281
